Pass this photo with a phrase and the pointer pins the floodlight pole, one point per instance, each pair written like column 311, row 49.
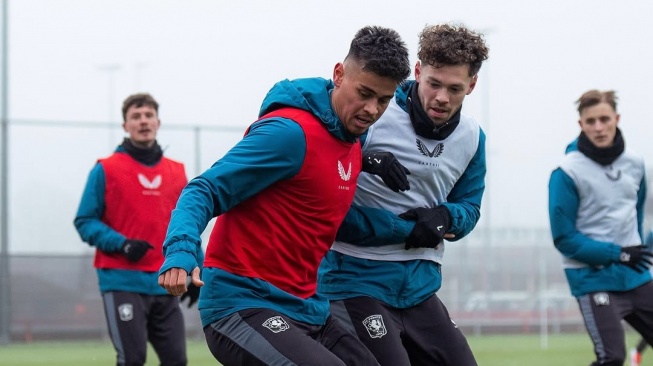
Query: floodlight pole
column 5, row 289
column 111, row 70
column 485, row 112
column 489, row 239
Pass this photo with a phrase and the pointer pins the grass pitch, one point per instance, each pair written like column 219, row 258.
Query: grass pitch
column 490, row 350
column 532, row 350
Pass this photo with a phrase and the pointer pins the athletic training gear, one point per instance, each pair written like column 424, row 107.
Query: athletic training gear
column 637, row 257
column 603, row 312
column 124, row 214
column 134, row 250
column 596, row 210
column 401, row 337
column 369, row 262
column 192, row 294
column 259, row 337
column 279, row 195
column 386, row 166
column 430, row 226
column 134, row 319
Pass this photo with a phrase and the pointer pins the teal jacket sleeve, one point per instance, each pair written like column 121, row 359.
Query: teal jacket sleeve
column 366, row 226
column 88, row 220
column 648, row 240
column 563, row 210
column 641, row 207
column 464, row 200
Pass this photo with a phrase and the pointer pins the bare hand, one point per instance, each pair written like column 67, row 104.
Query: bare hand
column 175, row 282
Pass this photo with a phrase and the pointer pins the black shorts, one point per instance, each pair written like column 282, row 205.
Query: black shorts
column 603, row 312
column 257, row 337
column 134, row 319
column 420, row 335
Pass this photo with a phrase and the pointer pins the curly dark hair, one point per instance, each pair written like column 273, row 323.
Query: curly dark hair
column 593, row 97
column 381, row 51
column 447, row 44
column 138, row 100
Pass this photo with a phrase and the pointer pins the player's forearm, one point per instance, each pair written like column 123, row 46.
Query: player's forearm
column 366, row 226
column 96, row 233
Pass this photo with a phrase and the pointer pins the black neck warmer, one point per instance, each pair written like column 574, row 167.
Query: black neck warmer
column 422, row 124
column 603, row 156
column 148, row 156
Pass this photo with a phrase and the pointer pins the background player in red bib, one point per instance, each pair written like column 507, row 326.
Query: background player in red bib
column 124, row 213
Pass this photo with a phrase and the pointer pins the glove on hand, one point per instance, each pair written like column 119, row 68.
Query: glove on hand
column 430, row 227
column 637, row 257
column 134, row 249
column 386, row 166
column 192, row 295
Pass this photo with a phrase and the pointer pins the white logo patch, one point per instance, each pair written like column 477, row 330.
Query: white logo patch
column 375, row 327
column 126, row 312
column 276, row 324
column 341, row 170
column 601, row 299
column 146, row 183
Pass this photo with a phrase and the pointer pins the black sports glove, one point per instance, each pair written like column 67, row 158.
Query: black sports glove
column 637, row 257
column 193, row 293
column 134, row 249
column 430, row 227
column 386, row 166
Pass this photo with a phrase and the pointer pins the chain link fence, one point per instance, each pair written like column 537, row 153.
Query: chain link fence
column 500, row 280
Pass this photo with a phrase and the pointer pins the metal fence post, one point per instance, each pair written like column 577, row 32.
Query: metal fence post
column 5, row 289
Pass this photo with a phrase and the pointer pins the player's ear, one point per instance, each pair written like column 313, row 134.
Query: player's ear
column 338, row 74
column 472, row 84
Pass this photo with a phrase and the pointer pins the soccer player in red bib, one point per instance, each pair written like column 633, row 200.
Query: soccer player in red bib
column 124, row 213
column 280, row 195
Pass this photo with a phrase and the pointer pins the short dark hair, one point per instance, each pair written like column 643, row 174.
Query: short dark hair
column 138, row 100
column 451, row 45
column 593, row 97
column 381, row 51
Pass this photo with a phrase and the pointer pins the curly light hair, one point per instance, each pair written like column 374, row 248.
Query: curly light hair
column 449, row 45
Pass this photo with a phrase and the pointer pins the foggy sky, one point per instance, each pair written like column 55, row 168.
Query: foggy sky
column 211, row 63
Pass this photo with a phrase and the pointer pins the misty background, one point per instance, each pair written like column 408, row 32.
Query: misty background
column 210, row 63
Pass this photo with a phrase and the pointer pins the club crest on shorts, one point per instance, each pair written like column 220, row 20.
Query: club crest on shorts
column 126, row 312
column 601, row 299
column 375, row 327
column 276, row 324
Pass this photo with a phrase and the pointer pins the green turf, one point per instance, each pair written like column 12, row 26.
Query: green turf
column 533, row 350
column 86, row 353
column 491, row 350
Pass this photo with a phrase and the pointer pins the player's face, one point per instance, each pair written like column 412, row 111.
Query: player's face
column 599, row 123
column 142, row 124
column 443, row 89
column 360, row 97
